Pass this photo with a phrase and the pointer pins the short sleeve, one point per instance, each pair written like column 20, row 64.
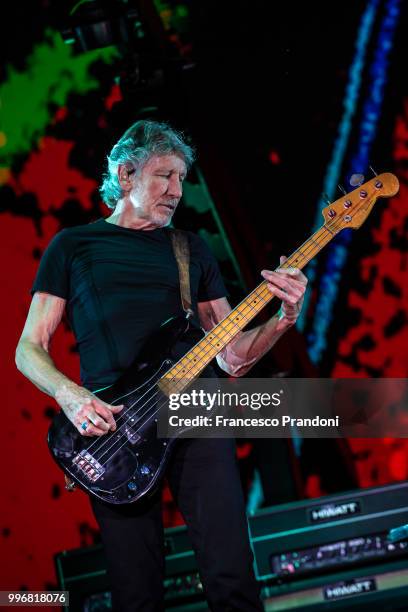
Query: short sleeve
column 53, row 272
column 211, row 283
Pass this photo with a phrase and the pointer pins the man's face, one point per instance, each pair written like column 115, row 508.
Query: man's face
column 157, row 189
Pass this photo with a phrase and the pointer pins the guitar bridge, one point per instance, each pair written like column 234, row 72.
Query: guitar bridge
column 88, row 465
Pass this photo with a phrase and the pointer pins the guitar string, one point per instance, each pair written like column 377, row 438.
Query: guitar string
column 332, row 226
column 199, row 353
column 205, row 344
column 287, row 264
column 142, row 425
column 205, row 341
column 260, row 288
column 149, row 399
column 155, row 394
column 140, row 408
column 114, row 441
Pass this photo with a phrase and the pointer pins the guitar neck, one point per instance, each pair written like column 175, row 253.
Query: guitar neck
column 193, row 363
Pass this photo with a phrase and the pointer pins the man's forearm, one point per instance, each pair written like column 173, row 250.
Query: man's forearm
column 242, row 353
column 36, row 364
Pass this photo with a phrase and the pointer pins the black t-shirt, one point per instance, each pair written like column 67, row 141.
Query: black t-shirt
column 120, row 285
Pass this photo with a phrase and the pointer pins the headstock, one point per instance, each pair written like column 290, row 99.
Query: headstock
column 352, row 209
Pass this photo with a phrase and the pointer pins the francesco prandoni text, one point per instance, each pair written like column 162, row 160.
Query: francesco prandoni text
column 222, row 421
column 254, row 401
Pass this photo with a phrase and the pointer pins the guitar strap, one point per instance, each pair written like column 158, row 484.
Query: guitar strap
column 181, row 250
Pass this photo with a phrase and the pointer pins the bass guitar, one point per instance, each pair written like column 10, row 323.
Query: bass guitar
column 122, row 466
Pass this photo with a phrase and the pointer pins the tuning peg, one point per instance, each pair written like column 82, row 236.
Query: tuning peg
column 356, row 180
column 373, row 171
column 341, row 188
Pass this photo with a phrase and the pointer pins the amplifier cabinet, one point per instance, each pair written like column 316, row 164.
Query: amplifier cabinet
column 330, row 533
column 82, row 572
column 382, row 589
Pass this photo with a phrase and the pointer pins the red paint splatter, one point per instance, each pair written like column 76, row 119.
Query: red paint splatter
column 48, row 175
column 114, row 96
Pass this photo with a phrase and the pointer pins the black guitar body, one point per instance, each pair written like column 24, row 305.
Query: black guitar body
column 122, row 466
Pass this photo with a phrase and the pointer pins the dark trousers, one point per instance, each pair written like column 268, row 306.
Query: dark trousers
column 204, row 480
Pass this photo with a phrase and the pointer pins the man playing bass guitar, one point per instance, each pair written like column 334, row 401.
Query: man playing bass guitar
column 117, row 279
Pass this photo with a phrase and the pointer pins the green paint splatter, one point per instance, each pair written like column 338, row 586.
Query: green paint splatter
column 52, row 73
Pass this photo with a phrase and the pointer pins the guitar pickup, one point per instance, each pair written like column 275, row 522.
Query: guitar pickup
column 132, row 436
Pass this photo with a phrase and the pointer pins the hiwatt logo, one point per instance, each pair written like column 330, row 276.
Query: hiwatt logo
column 332, row 511
column 357, row 586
